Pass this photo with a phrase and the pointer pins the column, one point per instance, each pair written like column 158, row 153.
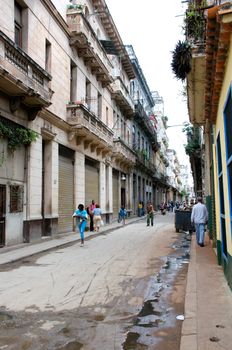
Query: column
column 102, row 186
column 79, row 178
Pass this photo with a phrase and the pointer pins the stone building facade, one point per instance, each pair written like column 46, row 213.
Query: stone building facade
column 65, row 80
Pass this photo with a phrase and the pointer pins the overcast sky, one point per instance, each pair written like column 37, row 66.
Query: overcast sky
column 153, row 28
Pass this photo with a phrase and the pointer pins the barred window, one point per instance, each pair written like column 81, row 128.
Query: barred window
column 16, row 199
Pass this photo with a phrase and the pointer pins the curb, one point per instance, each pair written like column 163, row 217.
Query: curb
column 189, row 326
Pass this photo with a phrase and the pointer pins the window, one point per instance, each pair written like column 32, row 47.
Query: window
column 142, row 143
column 18, row 24
column 107, row 116
column 73, row 81
column 138, row 146
column 48, row 56
column 133, row 137
column 88, row 93
column 132, row 88
column 99, row 105
column 16, row 199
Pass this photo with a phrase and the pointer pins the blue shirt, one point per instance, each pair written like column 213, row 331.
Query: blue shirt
column 122, row 213
column 80, row 215
column 97, row 211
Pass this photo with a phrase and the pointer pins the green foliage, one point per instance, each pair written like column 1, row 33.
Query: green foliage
column 195, row 23
column 16, row 135
column 181, row 60
column 193, row 147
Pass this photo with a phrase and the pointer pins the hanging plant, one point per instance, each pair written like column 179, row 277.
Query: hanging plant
column 181, row 60
column 17, row 135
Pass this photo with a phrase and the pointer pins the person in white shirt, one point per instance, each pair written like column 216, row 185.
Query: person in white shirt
column 199, row 217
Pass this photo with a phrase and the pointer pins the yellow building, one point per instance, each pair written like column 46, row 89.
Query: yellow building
column 210, row 105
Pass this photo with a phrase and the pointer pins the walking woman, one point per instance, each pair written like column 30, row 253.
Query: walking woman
column 97, row 217
column 81, row 217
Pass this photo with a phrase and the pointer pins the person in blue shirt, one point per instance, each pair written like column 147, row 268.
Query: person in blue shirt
column 122, row 215
column 81, row 219
column 97, row 217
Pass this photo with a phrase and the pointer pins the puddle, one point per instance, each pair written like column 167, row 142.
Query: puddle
column 156, row 315
column 131, row 341
column 4, row 316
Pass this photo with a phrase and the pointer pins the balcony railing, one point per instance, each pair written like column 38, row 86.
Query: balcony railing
column 21, row 76
column 89, row 47
column 143, row 162
column 88, row 128
column 122, row 97
column 123, row 152
column 143, row 120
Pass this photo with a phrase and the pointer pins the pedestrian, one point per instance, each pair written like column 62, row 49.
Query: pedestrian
column 97, row 217
column 81, row 220
column 91, row 207
column 140, row 208
column 122, row 215
column 150, row 214
column 199, row 217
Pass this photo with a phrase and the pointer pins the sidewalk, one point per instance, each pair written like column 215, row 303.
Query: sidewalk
column 14, row 253
column 208, row 303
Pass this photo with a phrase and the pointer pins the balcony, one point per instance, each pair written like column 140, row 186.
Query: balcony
column 122, row 153
column 22, row 78
column 143, row 163
column 122, row 97
column 88, row 129
column 89, row 48
column 145, row 123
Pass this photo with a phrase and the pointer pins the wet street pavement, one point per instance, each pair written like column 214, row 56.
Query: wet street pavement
column 123, row 290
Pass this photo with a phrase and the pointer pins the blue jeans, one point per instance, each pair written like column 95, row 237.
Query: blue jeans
column 200, row 233
column 81, row 226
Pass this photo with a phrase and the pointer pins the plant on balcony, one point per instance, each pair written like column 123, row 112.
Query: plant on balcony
column 181, row 60
column 193, row 146
column 194, row 22
column 78, row 7
column 17, row 135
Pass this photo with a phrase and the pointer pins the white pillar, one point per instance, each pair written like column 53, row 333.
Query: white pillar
column 102, row 186
column 79, row 179
column 34, row 188
column 51, row 179
column 110, row 187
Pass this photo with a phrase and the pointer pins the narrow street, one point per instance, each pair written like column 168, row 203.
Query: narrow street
column 122, row 290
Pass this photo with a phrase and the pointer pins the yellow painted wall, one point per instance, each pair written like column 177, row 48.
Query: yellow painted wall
column 219, row 127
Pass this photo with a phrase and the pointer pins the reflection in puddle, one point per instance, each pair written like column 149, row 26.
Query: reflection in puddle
column 155, row 312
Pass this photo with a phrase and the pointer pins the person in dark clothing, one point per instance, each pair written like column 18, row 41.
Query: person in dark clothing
column 150, row 214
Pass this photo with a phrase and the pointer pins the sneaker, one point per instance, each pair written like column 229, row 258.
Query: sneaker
column 82, row 244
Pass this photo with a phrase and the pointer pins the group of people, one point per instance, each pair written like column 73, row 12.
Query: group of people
column 199, row 218
column 81, row 214
column 94, row 212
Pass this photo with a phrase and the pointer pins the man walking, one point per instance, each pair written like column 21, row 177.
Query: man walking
column 150, row 214
column 199, row 218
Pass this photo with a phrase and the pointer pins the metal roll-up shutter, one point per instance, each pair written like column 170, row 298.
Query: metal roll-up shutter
column 66, row 190
column 91, row 182
column 115, row 194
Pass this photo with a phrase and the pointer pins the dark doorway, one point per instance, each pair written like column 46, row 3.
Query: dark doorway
column 123, row 197
column 2, row 214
